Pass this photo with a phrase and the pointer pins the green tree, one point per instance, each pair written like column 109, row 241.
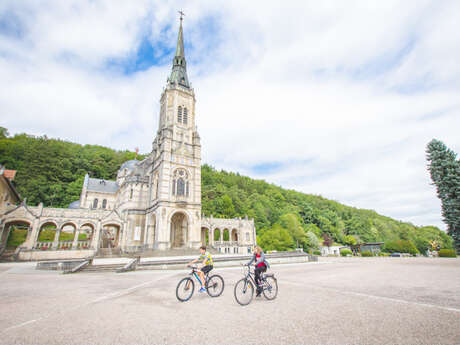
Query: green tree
column 313, row 241
column 350, row 240
column 276, row 238
column 444, row 170
column 4, row 133
column 291, row 222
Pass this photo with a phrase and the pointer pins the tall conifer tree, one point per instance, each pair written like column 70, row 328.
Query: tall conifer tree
column 444, row 169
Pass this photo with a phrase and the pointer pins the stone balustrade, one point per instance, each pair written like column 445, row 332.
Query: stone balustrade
column 83, row 244
column 44, row 245
column 63, row 245
column 225, row 243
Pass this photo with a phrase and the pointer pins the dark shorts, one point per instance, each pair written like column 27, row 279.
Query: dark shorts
column 206, row 269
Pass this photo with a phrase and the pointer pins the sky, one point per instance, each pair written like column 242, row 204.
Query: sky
column 332, row 98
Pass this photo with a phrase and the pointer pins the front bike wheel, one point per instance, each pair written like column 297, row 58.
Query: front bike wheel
column 184, row 289
column 244, row 291
column 215, row 285
column 270, row 288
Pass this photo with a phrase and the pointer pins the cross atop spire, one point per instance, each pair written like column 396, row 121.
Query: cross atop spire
column 182, row 14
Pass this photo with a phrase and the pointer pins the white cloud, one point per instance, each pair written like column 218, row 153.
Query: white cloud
column 344, row 96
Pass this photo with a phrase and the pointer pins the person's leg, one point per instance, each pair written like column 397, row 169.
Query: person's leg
column 257, row 279
column 201, row 275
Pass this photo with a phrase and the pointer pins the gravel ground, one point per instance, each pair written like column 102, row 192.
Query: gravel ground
column 334, row 301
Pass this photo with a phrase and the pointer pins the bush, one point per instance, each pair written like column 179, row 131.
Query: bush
column 384, row 254
column 316, row 252
column 367, row 253
column 447, row 253
column 401, row 246
column 345, row 252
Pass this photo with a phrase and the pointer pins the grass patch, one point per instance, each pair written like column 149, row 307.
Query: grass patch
column 46, row 236
column 16, row 238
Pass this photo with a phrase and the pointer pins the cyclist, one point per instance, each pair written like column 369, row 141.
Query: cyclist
column 260, row 264
column 207, row 265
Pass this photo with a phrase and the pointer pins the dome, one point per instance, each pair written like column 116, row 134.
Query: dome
column 129, row 165
column 75, row 204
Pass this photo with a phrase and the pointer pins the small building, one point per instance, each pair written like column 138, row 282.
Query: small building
column 332, row 250
column 9, row 196
column 373, row 247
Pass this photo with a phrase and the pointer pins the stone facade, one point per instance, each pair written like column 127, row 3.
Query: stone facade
column 154, row 204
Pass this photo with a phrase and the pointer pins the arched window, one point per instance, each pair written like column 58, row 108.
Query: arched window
column 180, row 186
column 185, row 118
column 179, row 114
column 180, row 183
column 131, row 194
column 104, row 203
column 95, row 203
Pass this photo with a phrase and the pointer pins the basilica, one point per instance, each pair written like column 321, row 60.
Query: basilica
column 154, row 204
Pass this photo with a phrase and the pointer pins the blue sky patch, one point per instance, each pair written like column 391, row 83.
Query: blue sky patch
column 10, row 25
column 148, row 53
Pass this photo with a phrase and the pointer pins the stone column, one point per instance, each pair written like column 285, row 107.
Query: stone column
column 2, row 228
column 75, row 239
column 56, row 238
column 96, row 236
column 146, row 237
column 162, row 230
column 31, row 241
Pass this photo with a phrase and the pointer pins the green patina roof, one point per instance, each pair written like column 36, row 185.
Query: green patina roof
column 179, row 70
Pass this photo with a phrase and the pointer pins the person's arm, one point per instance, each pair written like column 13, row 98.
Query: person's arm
column 192, row 262
column 252, row 260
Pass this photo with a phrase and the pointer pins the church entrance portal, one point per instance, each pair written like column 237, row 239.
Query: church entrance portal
column 110, row 236
column 179, row 227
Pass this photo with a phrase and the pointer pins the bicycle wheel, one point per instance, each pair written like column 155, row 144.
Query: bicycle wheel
column 270, row 288
column 244, row 291
column 184, row 289
column 215, row 285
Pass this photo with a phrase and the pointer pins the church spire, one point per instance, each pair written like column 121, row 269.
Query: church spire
column 179, row 69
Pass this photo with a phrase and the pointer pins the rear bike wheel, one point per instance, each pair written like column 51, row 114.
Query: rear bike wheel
column 244, row 291
column 184, row 289
column 215, row 285
column 270, row 288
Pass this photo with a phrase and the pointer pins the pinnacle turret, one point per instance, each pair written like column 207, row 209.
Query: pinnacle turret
column 179, row 69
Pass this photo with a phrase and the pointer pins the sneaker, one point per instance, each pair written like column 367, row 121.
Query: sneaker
column 202, row 289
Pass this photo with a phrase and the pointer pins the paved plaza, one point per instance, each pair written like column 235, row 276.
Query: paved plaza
column 334, row 301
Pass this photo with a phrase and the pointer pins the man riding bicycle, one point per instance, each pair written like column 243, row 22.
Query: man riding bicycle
column 207, row 266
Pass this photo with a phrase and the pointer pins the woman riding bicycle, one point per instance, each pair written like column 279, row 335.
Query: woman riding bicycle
column 260, row 265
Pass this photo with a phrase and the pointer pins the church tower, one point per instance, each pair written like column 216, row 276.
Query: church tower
column 174, row 212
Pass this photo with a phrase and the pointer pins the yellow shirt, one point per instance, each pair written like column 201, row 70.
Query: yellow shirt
column 206, row 256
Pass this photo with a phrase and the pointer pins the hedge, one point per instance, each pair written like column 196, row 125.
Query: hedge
column 447, row 253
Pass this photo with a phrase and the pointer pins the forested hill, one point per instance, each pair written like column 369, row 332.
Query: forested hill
column 52, row 171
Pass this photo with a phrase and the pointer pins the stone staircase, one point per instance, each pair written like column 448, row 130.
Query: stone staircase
column 102, row 268
column 7, row 255
column 110, row 253
column 116, row 253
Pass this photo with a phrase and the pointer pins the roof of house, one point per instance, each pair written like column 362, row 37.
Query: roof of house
column 11, row 186
column 74, row 204
column 102, row 186
column 9, row 174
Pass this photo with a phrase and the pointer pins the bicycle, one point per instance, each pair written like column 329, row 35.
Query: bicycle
column 244, row 288
column 214, row 285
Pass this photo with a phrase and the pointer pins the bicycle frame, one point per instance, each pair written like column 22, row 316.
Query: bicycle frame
column 249, row 276
column 193, row 273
